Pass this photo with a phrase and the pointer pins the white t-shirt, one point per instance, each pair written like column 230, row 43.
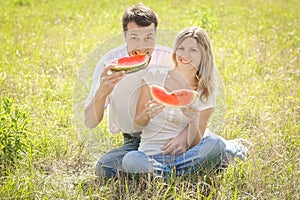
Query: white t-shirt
column 170, row 122
column 121, row 103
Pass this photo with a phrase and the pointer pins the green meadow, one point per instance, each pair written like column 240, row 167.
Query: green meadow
column 48, row 50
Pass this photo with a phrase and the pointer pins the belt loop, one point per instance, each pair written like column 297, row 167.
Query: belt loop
column 126, row 135
column 132, row 135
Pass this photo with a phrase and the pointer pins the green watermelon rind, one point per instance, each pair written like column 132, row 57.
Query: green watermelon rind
column 132, row 69
column 195, row 95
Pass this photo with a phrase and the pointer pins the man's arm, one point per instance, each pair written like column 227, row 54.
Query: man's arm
column 176, row 145
column 94, row 111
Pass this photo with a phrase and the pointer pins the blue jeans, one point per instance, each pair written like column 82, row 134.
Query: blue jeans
column 111, row 163
column 210, row 153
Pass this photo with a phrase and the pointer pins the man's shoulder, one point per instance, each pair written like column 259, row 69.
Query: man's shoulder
column 162, row 48
column 162, row 56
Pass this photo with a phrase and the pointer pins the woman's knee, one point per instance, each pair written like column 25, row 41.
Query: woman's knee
column 213, row 147
column 220, row 144
column 129, row 160
column 135, row 161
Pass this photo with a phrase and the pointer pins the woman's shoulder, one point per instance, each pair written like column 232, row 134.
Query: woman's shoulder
column 209, row 102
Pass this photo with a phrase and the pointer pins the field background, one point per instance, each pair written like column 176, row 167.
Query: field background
column 47, row 51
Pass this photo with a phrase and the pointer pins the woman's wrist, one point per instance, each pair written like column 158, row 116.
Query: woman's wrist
column 142, row 120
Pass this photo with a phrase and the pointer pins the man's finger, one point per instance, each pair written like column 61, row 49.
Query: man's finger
column 163, row 148
column 105, row 71
column 166, row 152
column 166, row 145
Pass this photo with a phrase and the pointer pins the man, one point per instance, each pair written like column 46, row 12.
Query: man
column 119, row 92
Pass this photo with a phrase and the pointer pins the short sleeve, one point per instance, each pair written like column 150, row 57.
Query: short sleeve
column 210, row 103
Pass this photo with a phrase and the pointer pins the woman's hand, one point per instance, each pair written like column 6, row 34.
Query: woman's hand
column 153, row 108
column 146, row 108
column 192, row 113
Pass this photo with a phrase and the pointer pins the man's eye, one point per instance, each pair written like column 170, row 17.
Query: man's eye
column 134, row 38
column 149, row 38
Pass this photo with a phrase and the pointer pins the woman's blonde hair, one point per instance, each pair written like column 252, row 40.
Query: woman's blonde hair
column 207, row 82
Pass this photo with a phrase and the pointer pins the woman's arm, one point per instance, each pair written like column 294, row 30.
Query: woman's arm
column 141, row 118
column 197, row 124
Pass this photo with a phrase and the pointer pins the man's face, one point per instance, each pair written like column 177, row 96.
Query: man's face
column 140, row 40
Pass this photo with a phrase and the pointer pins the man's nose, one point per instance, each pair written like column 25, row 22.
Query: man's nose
column 142, row 44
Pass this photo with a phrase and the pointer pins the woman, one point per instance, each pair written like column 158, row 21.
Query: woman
column 194, row 69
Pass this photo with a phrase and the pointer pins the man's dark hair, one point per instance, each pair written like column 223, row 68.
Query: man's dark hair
column 141, row 15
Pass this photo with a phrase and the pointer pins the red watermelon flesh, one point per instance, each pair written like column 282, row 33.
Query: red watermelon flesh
column 131, row 64
column 176, row 98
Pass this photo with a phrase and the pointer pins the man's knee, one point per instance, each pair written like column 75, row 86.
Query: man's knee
column 103, row 169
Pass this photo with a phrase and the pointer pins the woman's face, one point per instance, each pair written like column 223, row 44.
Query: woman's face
column 188, row 54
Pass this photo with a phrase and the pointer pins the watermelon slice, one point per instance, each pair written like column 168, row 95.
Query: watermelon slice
column 131, row 64
column 176, row 98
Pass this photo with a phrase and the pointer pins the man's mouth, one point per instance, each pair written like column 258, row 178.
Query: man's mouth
column 140, row 52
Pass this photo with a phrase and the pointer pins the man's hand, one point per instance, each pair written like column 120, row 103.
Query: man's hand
column 109, row 80
column 177, row 145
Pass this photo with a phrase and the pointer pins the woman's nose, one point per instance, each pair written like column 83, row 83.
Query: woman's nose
column 185, row 54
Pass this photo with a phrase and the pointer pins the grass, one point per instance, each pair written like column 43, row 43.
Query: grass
column 49, row 48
